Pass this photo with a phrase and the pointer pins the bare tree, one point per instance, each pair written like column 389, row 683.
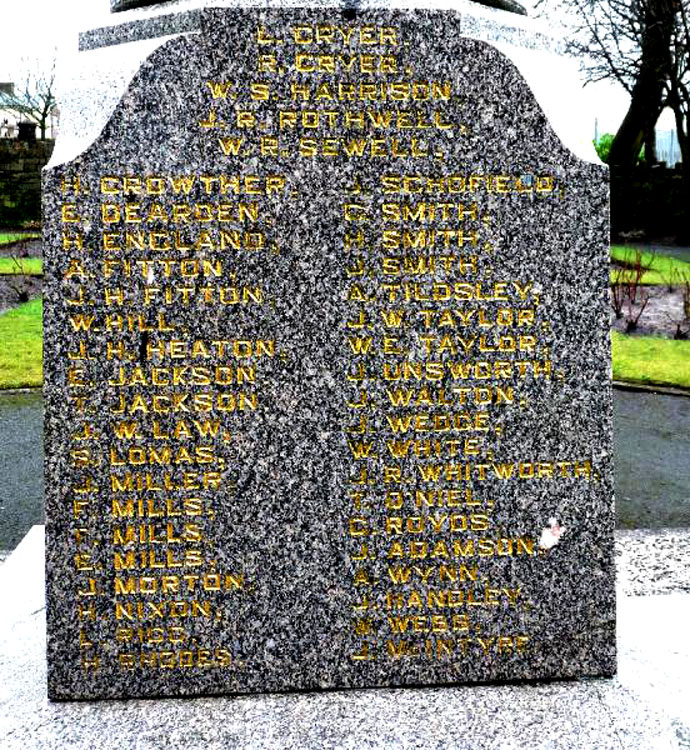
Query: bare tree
column 35, row 96
column 653, row 62
column 678, row 97
column 632, row 42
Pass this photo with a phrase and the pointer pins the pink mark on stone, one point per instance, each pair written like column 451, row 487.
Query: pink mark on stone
column 551, row 534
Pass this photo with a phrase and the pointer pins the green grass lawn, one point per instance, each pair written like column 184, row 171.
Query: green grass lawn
column 656, row 361
column 29, row 266
column 21, row 353
column 661, row 269
column 7, row 237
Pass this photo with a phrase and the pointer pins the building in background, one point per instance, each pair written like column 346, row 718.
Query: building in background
column 9, row 116
column 667, row 148
column 14, row 109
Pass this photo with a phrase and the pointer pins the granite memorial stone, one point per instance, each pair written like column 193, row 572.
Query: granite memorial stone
column 509, row 5
column 326, row 370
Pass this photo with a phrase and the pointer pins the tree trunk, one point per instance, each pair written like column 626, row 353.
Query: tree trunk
column 650, row 147
column 647, row 94
column 683, row 133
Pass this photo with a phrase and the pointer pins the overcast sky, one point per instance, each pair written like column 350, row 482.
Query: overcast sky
column 34, row 28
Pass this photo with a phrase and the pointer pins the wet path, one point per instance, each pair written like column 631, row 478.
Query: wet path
column 21, row 465
column 652, row 451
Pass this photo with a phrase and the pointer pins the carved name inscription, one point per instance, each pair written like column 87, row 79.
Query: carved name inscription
column 326, row 374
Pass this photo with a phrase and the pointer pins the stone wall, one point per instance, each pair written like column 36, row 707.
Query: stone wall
column 20, row 179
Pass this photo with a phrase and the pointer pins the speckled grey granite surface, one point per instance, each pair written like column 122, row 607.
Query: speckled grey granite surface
column 165, row 25
column 327, row 371
column 509, row 5
column 127, row 4
column 92, row 84
column 645, row 706
column 179, row 16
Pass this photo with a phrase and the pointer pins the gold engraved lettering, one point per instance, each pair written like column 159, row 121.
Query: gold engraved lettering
column 222, row 184
column 428, row 265
column 461, row 548
column 415, row 184
column 472, row 370
column 429, row 624
column 440, row 422
column 148, row 610
column 182, row 375
column 186, row 659
column 165, row 456
column 455, row 395
column 162, row 560
column 394, row 148
column 151, row 635
column 198, row 240
column 308, row 119
column 221, row 348
column 502, row 317
column 188, row 481
column 176, row 584
column 345, row 35
column 185, row 403
column 430, row 599
column 377, row 91
column 180, row 213
column 151, row 508
column 452, row 524
column 151, row 533
column 69, row 213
